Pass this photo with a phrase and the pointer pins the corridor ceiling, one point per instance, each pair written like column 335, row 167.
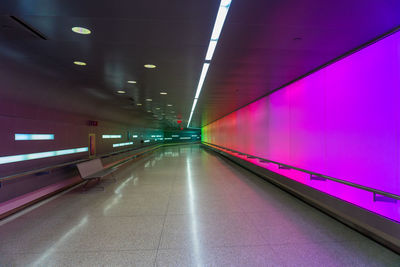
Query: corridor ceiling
column 264, row 45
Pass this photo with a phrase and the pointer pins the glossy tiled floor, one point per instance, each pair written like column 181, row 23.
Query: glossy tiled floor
column 182, row 206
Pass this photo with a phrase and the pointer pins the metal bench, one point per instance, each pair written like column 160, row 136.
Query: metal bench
column 93, row 169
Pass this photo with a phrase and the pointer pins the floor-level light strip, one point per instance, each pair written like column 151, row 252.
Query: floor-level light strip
column 40, row 155
column 219, row 24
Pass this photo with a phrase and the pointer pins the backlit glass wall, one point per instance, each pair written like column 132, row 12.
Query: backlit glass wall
column 341, row 121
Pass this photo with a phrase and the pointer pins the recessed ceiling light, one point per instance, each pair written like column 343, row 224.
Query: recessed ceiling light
column 157, row 108
column 81, row 30
column 149, row 99
column 169, row 105
column 131, row 81
column 138, row 104
column 80, row 63
column 121, row 92
column 150, row 66
column 163, row 93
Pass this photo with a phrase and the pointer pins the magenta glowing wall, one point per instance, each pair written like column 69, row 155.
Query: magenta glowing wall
column 341, row 121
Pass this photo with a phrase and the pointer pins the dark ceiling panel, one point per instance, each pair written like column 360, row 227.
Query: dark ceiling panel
column 170, row 34
column 264, row 44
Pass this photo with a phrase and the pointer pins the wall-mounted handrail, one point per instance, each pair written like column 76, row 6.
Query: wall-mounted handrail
column 61, row 165
column 373, row 190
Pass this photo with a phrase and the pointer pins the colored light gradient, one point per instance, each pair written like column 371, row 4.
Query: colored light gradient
column 28, row 137
column 341, row 121
column 40, row 155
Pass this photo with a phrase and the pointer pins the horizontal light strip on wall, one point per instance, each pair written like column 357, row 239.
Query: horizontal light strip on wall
column 218, row 25
column 123, row 144
column 111, row 136
column 40, row 155
column 23, row 137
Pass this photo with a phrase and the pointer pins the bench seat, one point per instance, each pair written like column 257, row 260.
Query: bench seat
column 100, row 174
column 93, row 169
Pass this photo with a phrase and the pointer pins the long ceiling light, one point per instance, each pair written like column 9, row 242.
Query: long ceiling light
column 202, row 79
column 219, row 24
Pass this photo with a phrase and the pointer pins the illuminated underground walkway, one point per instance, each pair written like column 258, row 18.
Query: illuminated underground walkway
column 183, row 206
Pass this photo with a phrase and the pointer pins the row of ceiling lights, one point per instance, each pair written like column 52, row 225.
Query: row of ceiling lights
column 81, row 30
column 219, row 23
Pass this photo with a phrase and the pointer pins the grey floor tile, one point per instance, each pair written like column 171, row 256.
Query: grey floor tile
column 104, row 258
column 225, row 229
column 219, row 256
column 187, row 204
column 335, row 254
column 197, row 209
column 133, row 204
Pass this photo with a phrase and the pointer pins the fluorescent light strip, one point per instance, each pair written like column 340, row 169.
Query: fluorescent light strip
column 134, row 136
column 174, row 135
column 221, row 16
column 218, row 25
column 167, row 138
column 190, row 119
column 111, row 136
column 40, row 155
column 211, row 49
column 123, row 144
column 185, row 138
column 202, row 79
column 147, row 141
column 194, row 104
column 23, row 137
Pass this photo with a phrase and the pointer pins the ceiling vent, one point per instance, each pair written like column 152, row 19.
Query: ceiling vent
column 14, row 28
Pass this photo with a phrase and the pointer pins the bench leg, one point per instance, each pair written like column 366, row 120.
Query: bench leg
column 111, row 180
column 86, row 188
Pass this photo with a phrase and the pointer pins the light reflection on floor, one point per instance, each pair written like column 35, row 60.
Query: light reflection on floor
column 183, row 206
